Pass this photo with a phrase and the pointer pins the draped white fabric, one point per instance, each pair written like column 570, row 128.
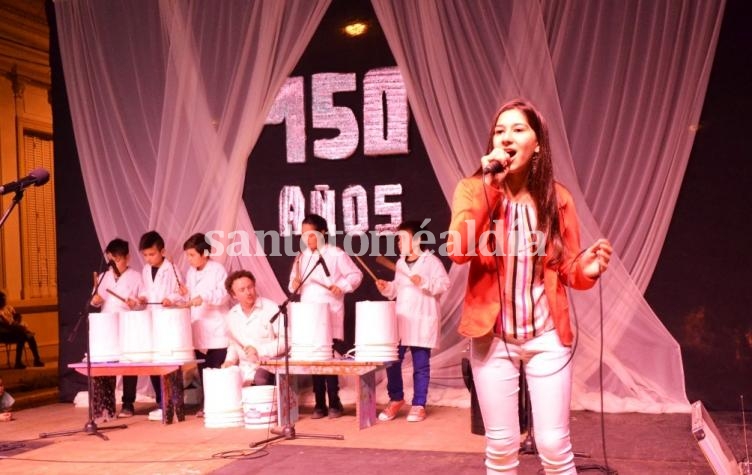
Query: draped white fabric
column 168, row 99
column 631, row 120
column 460, row 62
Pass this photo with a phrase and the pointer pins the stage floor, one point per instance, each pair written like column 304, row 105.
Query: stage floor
column 443, row 443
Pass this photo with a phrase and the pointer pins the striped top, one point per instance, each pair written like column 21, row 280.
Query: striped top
column 524, row 308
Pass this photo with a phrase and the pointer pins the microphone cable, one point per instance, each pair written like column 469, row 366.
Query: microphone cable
column 586, row 467
column 596, row 467
column 500, row 294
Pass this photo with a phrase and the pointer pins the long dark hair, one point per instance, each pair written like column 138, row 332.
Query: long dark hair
column 540, row 179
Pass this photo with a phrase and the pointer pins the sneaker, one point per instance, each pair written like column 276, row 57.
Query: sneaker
column 319, row 413
column 334, row 412
column 199, row 414
column 125, row 412
column 391, row 410
column 417, row 414
column 39, row 364
column 155, row 415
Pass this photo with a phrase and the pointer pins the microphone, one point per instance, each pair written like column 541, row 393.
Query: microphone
column 112, row 264
column 323, row 264
column 493, row 167
column 37, row 177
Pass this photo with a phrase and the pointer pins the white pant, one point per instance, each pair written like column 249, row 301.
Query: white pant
column 496, row 377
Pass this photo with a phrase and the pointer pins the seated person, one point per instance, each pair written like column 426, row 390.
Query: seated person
column 252, row 335
column 12, row 330
column 6, row 401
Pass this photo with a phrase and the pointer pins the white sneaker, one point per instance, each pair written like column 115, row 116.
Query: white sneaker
column 156, row 415
column 416, row 414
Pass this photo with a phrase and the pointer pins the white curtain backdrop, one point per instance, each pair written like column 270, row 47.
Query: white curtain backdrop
column 168, row 98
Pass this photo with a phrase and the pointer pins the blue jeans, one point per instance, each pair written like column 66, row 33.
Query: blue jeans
column 421, row 375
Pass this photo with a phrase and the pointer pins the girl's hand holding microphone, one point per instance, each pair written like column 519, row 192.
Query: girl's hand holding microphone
column 495, row 166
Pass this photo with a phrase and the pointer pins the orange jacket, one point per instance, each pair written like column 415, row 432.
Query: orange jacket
column 470, row 220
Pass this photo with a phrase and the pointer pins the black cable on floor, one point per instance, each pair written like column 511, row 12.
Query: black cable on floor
column 596, row 467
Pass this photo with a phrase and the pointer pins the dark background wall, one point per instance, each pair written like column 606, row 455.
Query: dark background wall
column 78, row 250
column 702, row 286
column 699, row 289
column 268, row 170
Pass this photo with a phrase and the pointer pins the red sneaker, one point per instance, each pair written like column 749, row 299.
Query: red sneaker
column 391, row 410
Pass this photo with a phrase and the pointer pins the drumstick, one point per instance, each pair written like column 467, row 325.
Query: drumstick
column 384, row 261
column 381, row 260
column 174, row 271
column 109, row 291
column 94, row 275
column 363, row 264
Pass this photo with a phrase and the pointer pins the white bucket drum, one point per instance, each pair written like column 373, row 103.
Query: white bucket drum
column 259, row 406
column 376, row 331
column 173, row 340
column 135, row 336
column 222, row 397
column 310, row 332
column 104, row 339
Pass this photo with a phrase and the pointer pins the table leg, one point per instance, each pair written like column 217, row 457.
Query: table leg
column 172, row 397
column 178, row 398
column 103, row 397
column 365, row 405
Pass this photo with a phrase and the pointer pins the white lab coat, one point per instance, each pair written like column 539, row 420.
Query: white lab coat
column 164, row 285
column 254, row 330
column 208, row 320
column 417, row 308
column 344, row 274
column 128, row 285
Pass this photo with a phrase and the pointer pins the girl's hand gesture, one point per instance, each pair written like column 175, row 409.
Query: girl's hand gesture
column 596, row 258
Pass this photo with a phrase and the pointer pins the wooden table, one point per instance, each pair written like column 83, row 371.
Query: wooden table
column 103, row 384
column 365, row 403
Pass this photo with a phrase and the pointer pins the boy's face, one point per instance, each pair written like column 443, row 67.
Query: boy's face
column 406, row 243
column 195, row 259
column 121, row 262
column 313, row 239
column 153, row 256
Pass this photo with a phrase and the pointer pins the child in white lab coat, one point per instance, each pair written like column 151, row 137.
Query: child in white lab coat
column 419, row 280
column 327, row 283
column 204, row 292
column 118, row 292
column 161, row 284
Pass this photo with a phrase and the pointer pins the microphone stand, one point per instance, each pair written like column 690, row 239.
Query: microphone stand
column 90, row 427
column 527, row 446
column 16, row 200
column 287, row 431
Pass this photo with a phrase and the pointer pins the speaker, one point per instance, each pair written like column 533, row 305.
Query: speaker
column 716, row 451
